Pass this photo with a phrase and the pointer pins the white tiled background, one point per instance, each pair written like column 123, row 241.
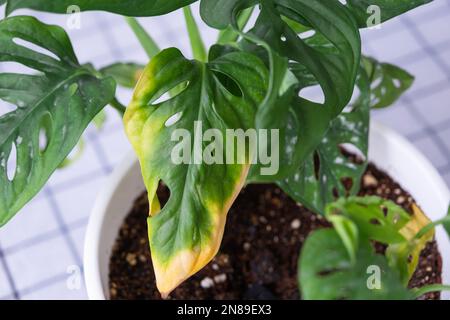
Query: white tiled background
column 46, row 238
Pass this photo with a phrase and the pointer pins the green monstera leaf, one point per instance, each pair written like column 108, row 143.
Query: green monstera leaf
column 135, row 8
column 286, row 109
column 220, row 95
column 388, row 82
column 348, row 267
column 381, row 220
column 335, row 72
column 332, row 275
column 52, row 107
column 329, row 172
column 365, row 10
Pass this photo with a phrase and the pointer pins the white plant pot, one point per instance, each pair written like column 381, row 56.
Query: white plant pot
column 388, row 151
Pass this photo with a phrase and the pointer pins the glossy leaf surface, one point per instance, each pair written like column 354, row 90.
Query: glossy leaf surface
column 52, row 107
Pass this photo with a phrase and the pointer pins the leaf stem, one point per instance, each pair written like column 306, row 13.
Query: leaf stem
column 431, row 288
column 118, row 106
column 198, row 47
column 147, row 42
column 430, row 226
column 229, row 34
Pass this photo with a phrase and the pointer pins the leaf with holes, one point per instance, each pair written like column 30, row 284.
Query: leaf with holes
column 385, row 222
column 38, row 135
column 331, row 275
column 218, row 96
column 125, row 74
column 388, row 82
column 369, row 13
column 334, row 71
column 331, row 172
column 404, row 256
column 376, row 219
column 137, row 8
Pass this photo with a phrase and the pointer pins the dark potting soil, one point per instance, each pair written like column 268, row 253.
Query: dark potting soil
column 258, row 257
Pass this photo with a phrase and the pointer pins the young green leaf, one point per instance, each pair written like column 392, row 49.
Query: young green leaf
column 40, row 129
column 220, row 95
column 135, row 8
column 331, row 275
column 125, row 74
column 377, row 219
column 383, row 221
column 389, row 82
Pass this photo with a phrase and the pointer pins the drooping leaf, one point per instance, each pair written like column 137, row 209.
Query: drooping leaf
column 331, row 275
column 222, row 94
column 388, row 82
column 136, row 8
column 125, row 74
column 53, row 107
column 334, row 71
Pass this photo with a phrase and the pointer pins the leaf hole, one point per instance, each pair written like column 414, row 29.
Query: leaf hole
column 169, row 94
column 45, row 129
column 6, row 107
column 385, row 210
column 34, row 47
column 375, row 222
column 18, row 68
column 229, row 84
column 313, row 93
column 316, row 165
column 307, row 34
column 11, row 164
column 335, row 193
column 328, row 272
column 375, row 84
column 347, row 182
column 173, row 119
column 397, row 83
column 352, row 152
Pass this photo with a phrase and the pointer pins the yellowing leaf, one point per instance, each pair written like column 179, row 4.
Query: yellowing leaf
column 405, row 256
column 223, row 94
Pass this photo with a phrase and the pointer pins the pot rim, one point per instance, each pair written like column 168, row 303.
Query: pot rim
column 93, row 279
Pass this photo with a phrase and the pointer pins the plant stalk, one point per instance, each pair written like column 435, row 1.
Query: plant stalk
column 147, row 42
column 197, row 44
column 118, row 106
column 431, row 288
column 230, row 35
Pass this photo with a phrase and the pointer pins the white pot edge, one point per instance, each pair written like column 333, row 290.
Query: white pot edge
column 125, row 184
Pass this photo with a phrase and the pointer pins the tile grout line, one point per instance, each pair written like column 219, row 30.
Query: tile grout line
column 62, row 225
column 9, row 277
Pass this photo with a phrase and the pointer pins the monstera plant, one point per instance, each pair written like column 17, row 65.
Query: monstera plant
column 254, row 77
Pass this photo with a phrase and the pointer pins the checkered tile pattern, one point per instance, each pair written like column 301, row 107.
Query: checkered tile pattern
column 41, row 249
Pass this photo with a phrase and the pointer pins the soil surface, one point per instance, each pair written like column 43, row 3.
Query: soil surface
column 258, row 257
